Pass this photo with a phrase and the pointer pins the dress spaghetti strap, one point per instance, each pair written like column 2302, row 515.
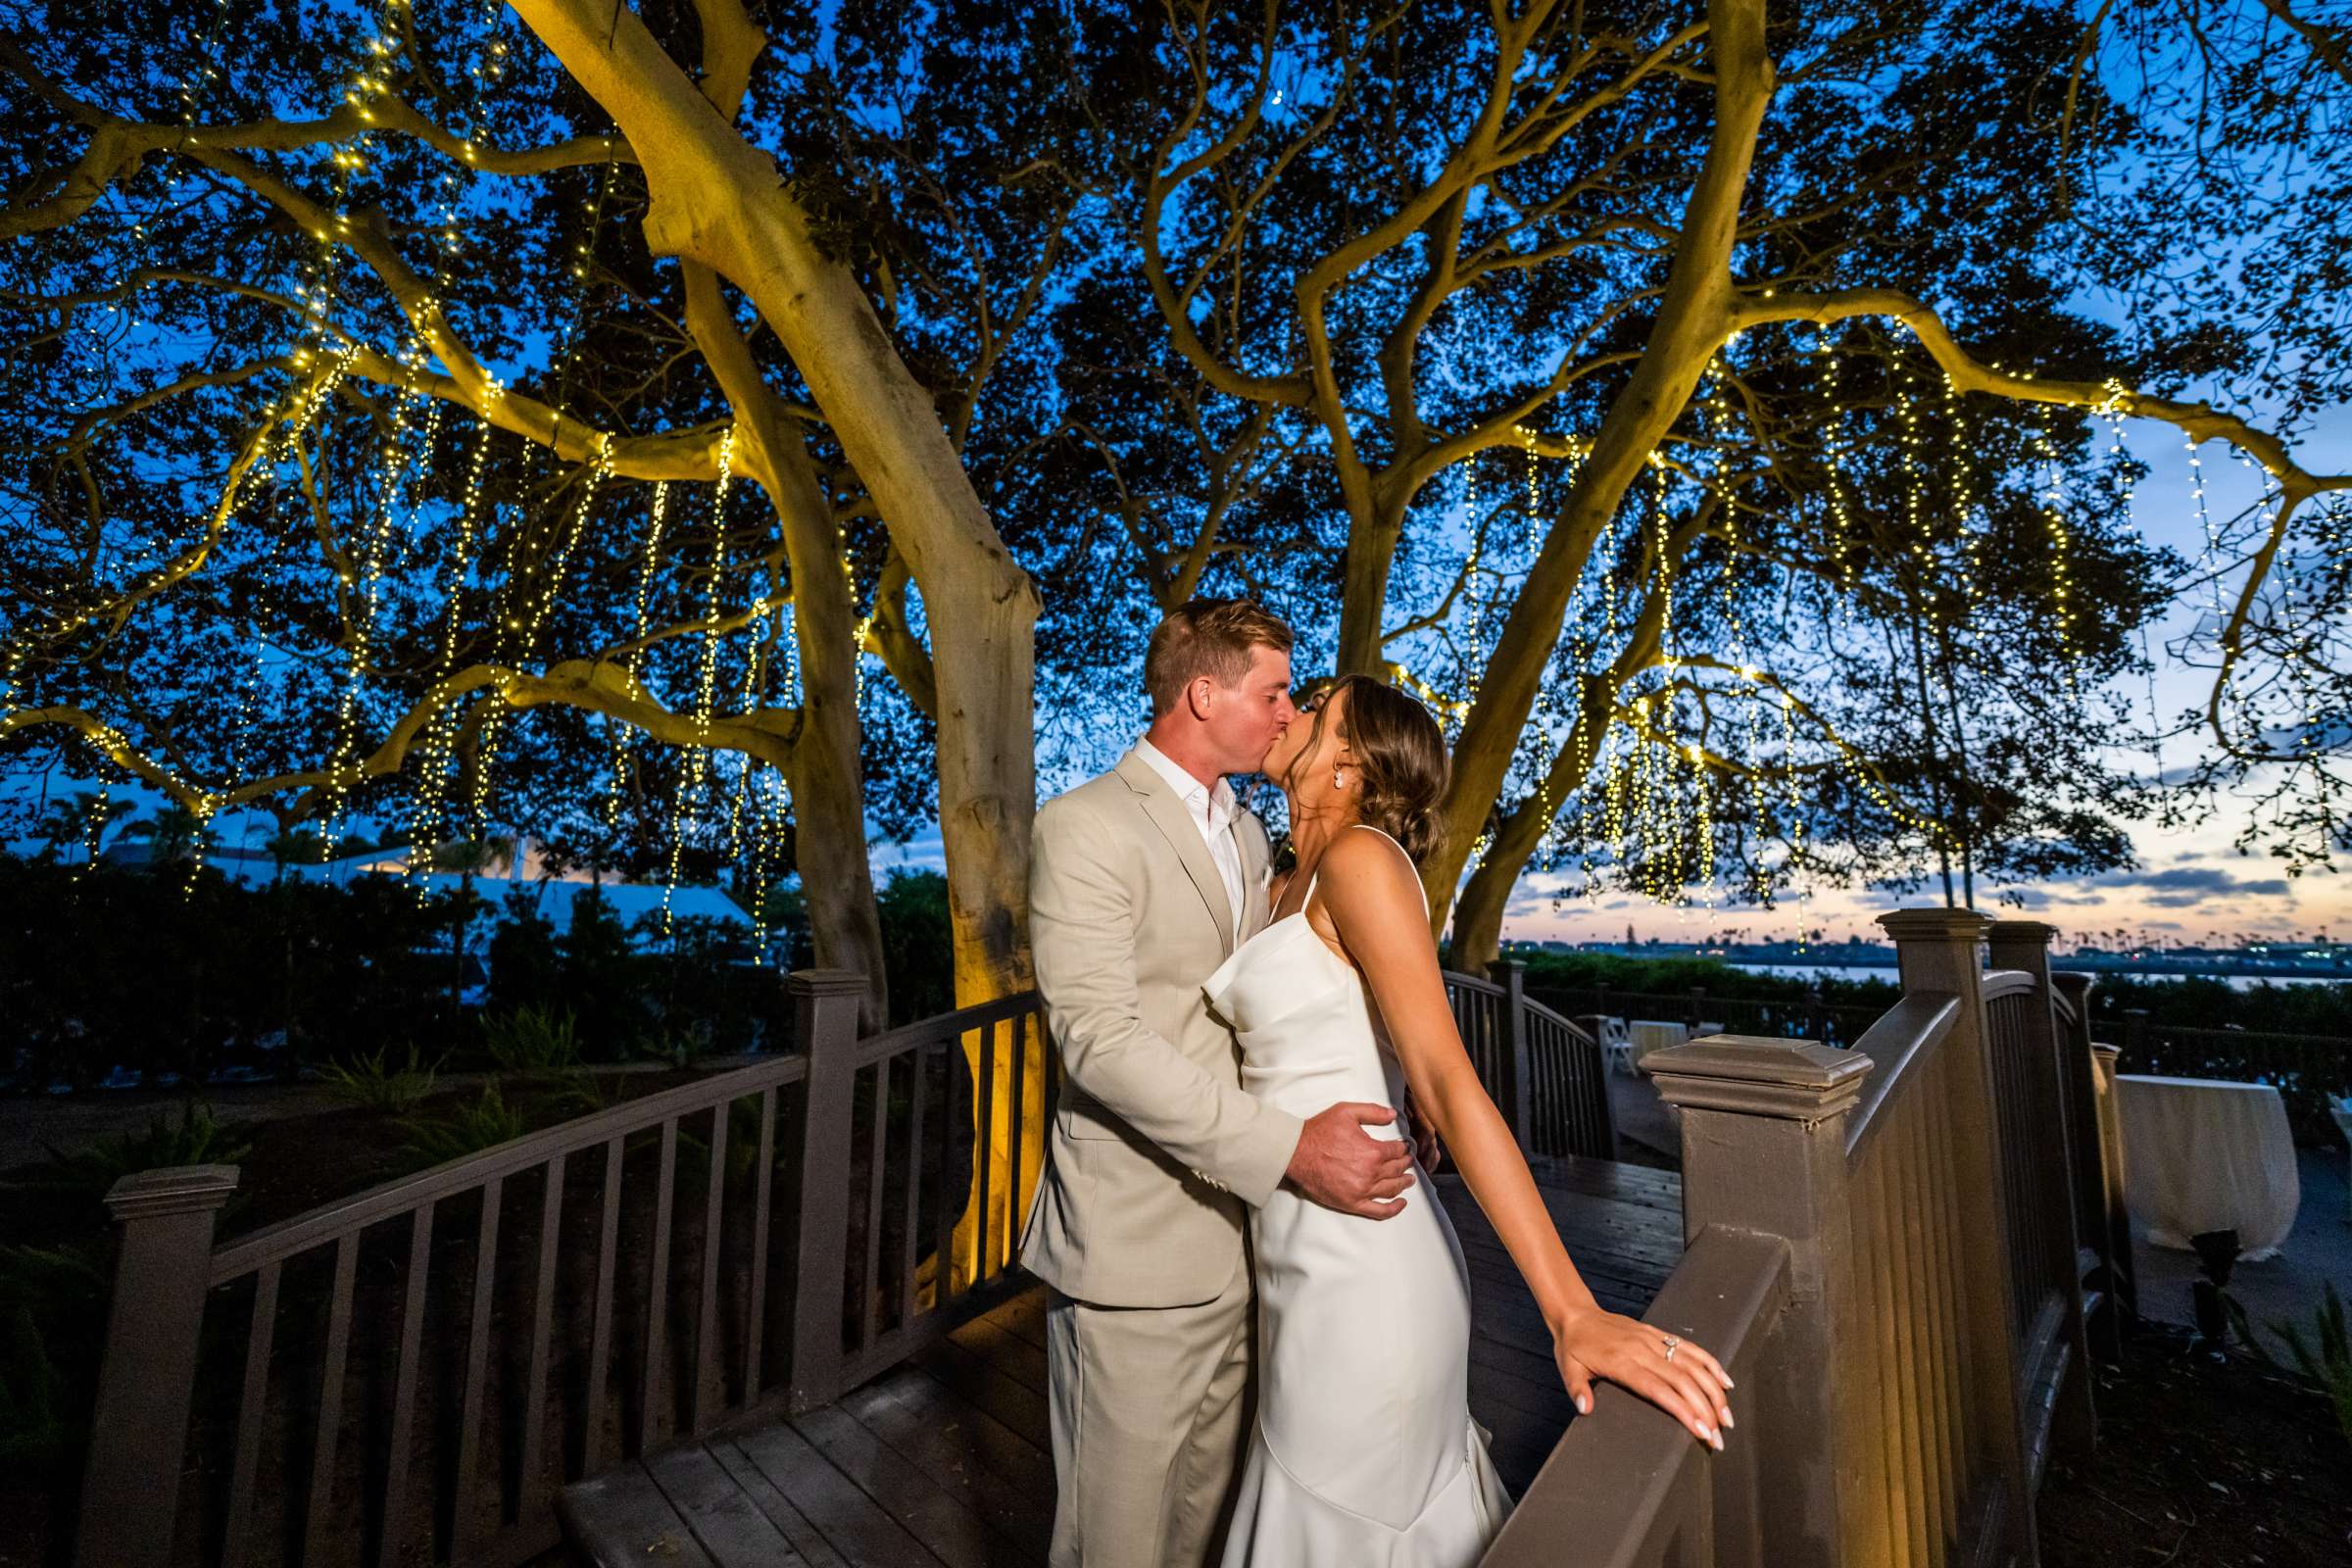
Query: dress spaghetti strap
column 1316, row 874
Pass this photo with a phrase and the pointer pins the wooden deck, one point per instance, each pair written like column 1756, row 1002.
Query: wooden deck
column 944, row 1460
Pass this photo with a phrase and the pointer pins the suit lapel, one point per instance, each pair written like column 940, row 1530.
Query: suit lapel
column 1175, row 824
column 1254, row 858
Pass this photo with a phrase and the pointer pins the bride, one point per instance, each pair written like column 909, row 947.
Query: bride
column 1364, row 1451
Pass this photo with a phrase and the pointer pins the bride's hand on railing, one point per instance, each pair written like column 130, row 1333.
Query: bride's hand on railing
column 1688, row 1386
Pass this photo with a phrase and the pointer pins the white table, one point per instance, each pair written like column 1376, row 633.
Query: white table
column 1650, row 1034
column 2341, row 1111
column 2200, row 1155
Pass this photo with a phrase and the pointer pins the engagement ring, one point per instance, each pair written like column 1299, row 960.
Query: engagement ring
column 1671, row 1343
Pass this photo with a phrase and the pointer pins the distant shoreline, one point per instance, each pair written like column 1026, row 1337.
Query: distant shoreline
column 1841, row 955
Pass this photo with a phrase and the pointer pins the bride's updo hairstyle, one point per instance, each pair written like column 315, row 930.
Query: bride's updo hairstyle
column 1399, row 760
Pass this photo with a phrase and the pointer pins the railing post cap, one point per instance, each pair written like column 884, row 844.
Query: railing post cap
column 2072, row 980
column 1930, row 924
column 1758, row 1075
column 824, row 982
column 2021, row 931
column 172, row 1189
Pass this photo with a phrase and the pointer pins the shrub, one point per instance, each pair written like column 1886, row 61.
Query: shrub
column 196, row 1138
column 2326, row 1358
column 370, row 1084
column 537, row 1041
column 679, row 1047
column 52, row 1301
column 484, row 1124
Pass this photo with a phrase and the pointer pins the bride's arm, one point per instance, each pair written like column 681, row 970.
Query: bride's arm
column 1373, row 898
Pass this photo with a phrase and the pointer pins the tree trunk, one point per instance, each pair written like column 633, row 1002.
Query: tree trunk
column 717, row 200
column 1364, row 587
column 1693, row 319
column 1478, row 912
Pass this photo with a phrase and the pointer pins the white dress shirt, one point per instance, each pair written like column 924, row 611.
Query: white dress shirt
column 1212, row 811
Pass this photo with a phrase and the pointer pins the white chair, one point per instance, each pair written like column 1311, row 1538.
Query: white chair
column 1652, row 1034
column 1616, row 1047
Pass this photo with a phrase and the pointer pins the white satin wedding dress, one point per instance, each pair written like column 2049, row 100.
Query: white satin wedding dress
column 1364, row 1454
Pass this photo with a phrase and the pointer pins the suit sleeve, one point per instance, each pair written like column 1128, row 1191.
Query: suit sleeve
column 1082, row 922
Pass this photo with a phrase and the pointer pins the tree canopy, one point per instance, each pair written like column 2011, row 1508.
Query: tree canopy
column 706, row 433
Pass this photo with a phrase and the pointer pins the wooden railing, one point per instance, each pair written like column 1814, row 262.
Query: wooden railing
column 534, row 1312
column 2307, row 1070
column 2102, row 1224
column 412, row 1374
column 1545, row 1072
column 1882, row 1249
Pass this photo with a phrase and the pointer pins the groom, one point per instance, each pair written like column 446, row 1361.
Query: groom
column 1143, row 882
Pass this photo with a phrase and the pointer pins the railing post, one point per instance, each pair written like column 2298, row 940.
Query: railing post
column 1813, row 1015
column 147, row 1382
column 2135, row 1037
column 1517, row 1080
column 1936, row 951
column 824, row 1005
column 1597, row 1025
column 2124, row 1263
column 2087, row 1153
column 1764, row 1151
column 1699, row 1006
column 2026, row 944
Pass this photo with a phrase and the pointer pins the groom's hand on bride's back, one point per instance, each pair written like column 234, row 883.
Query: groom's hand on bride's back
column 1341, row 1166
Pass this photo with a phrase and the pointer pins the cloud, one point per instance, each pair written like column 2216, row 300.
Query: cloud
column 2174, row 887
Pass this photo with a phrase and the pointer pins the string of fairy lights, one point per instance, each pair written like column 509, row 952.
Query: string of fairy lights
column 694, row 769
column 1655, row 810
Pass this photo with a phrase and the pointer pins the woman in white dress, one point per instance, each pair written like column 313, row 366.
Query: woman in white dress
column 1364, row 1452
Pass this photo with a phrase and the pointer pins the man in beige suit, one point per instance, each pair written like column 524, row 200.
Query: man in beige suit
column 1143, row 882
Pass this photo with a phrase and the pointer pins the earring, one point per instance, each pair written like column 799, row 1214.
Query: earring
column 1337, row 782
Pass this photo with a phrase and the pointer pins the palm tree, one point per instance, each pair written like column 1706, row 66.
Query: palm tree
column 472, row 858
column 174, row 832
column 290, row 845
column 81, row 818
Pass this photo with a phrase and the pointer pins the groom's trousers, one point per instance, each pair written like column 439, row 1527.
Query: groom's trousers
column 1149, row 1410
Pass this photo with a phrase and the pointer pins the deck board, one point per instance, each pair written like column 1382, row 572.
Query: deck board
column 945, row 1461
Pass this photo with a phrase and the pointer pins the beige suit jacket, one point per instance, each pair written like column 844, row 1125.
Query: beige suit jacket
column 1155, row 1148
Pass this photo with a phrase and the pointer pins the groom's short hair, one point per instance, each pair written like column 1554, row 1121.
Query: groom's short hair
column 1209, row 637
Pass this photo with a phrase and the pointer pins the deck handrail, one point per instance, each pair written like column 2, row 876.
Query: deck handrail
column 1928, row 1354
column 1627, row 1481
column 786, row 1280
column 403, row 1193
column 1905, row 1036
column 1545, row 1072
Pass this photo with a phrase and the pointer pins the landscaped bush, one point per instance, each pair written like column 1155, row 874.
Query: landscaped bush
column 367, row 1083
column 192, row 1137
column 1677, row 976
column 2324, row 1359
column 916, row 940
column 535, row 1041
column 483, row 1123
column 188, row 979
column 52, row 1309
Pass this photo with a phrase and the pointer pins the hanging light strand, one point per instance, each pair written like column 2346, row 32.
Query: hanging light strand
column 691, row 769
